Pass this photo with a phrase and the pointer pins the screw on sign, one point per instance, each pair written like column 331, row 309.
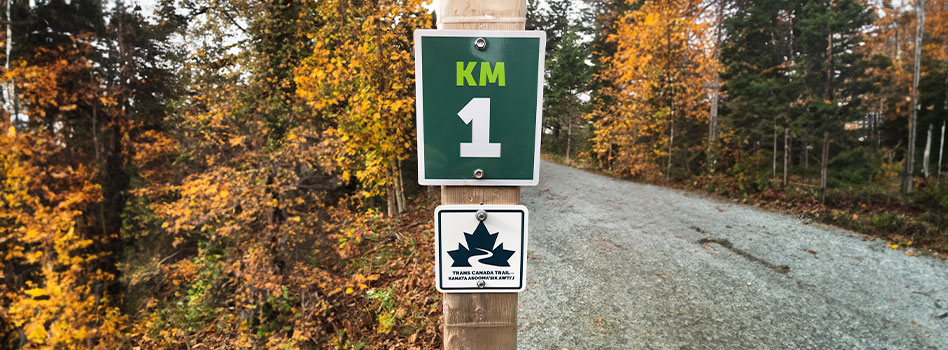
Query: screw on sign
column 480, row 44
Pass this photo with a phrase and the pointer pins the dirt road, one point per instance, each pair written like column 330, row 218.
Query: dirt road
column 619, row 265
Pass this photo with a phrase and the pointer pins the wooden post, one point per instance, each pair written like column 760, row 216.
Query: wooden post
column 481, row 320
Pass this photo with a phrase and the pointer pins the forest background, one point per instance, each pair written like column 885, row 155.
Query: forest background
column 240, row 174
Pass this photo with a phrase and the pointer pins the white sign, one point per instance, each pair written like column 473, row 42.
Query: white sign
column 480, row 256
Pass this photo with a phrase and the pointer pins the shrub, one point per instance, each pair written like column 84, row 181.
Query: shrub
column 854, row 169
column 750, row 176
column 888, row 221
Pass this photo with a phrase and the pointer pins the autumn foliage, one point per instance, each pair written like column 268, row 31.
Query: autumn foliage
column 838, row 102
column 243, row 190
column 239, row 174
column 657, row 92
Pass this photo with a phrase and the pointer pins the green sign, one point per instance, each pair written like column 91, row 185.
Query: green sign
column 479, row 105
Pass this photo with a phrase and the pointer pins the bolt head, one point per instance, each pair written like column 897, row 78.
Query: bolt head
column 478, row 174
column 480, row 44
column 481, row 215
column 481, row 284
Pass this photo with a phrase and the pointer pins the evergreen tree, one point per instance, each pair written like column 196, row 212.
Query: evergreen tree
column 567, row 80
column 755, row 56
column 832, row 72
column 567, row 74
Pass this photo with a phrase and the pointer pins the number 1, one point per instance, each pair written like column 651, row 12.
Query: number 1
column 477, row 113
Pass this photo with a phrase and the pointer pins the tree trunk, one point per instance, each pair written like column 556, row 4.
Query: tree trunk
column 671, row 141
column 928, row 151
column 392, row 207
column 941, row 148
column 609, row 159
column 773, row 171
column 827, row 98
column 713, row 122
column 396, row 190
column 909, row 172
column 9, row 87
column 823, row 162
column 877, row 130
column 400, row 193
column 806, row 158
column 786, row 155
column 715, row 86
column 569, row 135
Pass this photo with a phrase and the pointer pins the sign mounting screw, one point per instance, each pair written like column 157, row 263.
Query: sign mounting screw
column 478, row 174
column 480, row 44
column 480, row 215
column 481, row 284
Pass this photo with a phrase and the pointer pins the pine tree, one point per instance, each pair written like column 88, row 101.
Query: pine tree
column 755, row 57
column 832, row 71
column 566, row 73
column 568, row 76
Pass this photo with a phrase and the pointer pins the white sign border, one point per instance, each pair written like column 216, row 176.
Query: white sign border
column 487, row 208
column 419, row 102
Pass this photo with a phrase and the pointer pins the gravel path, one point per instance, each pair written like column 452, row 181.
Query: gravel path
column 620, row 265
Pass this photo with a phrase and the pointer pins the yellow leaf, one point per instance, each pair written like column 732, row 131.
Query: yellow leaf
column 349, row 290
column 894, row 246
column 37, row 334
column 35, row 292
column 11, row 132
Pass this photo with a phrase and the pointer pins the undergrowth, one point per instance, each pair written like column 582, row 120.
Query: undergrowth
column 368, row 286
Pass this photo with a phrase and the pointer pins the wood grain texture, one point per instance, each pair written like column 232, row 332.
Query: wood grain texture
column 482, row 14
column 481, row 320
column 480, row 195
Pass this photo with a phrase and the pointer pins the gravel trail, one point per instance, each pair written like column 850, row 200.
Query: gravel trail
column 614, row 264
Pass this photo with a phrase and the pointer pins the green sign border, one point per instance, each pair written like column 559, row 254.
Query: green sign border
column 419, row 105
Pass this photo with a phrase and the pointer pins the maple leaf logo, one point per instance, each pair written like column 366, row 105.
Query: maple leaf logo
column 481, row 242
